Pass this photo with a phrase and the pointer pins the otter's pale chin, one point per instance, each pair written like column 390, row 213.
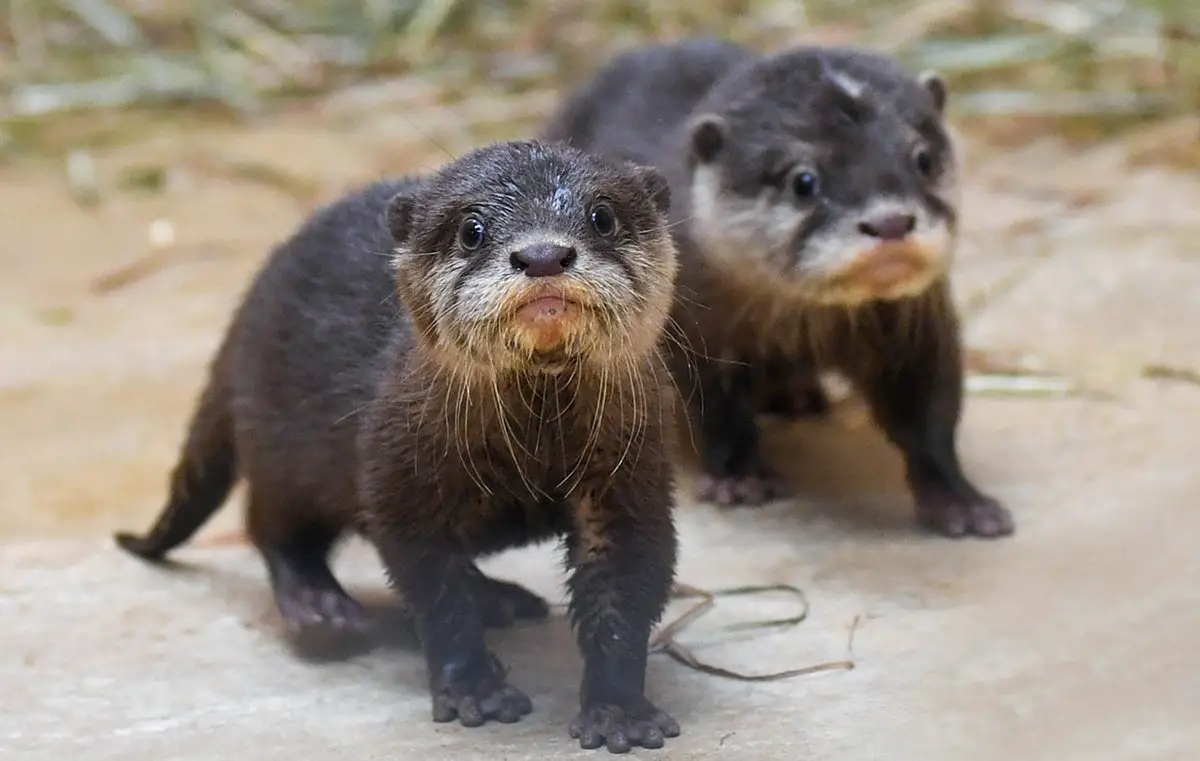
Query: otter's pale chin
column 546, row 315
column 887, row 266
column 545, row 323
column 887, row 271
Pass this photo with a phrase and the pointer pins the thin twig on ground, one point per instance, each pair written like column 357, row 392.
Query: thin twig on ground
column 664, row 641
column 1170, row 373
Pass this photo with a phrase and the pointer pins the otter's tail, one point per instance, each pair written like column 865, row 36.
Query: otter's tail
column 201, row 480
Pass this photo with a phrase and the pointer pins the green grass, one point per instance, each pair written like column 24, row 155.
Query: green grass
column 1083, row 69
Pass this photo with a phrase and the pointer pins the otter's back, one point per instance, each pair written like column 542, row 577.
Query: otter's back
column 304, row 349
column 637, row 100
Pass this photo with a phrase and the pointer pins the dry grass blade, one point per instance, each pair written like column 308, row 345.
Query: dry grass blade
column 151, row 264
column 684, row 656
column 1063, row 103
column 1020, row 385
column 1167, row 372
column 299, row 188
column 425, row 24
column 664, row 641
column 286, row 56
column 668, row 632
column 757, row 590
column 1106, row 63
column 126, row 276
column 991, row 374
column 163, row 253
column 952, row 57
column 144, row 79
column 113, row 24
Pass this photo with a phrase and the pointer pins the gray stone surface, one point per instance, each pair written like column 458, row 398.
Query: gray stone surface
column 1075, row 640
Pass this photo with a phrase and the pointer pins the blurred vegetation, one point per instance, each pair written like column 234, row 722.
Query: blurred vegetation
column 1081, row 69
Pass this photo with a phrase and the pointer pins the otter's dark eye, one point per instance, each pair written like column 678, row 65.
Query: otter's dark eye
column 470, row 233
column 924, row 162
column 604, row 222
column 805, row 184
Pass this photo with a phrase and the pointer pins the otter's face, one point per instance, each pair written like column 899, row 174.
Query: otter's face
column 832, row 169
column 529, row 256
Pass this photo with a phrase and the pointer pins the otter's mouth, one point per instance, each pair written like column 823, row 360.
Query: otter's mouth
column 543, row 308
column 546, row 320
column 888, row 270
column 887, row 265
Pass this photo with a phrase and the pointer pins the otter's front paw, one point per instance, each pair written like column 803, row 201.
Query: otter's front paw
column 475, row 694
column 955, row 517
column 752, row 490
column 621, row 728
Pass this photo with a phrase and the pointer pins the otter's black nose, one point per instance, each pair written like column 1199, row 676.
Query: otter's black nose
column 891, row 227
column 543, row 259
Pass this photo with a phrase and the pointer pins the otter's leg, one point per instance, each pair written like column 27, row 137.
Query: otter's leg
column 914, row 386
column 296, row 552
column 502, row 603
column 467, row 682
column 623, row 552
column 735, row 471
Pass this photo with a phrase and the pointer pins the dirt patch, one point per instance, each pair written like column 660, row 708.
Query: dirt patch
column 104, row 349
column 96, row 382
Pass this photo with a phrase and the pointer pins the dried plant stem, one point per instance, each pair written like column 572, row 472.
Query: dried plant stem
column 664, row 641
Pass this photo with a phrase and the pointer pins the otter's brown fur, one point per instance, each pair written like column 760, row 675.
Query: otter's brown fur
column 454, row 365
column 816, row 216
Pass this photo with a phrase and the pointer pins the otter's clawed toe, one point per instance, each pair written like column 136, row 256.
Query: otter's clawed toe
column 477, row 695
column 308, row 596
column 730, row 491
column 954, row 517
column 502, row 603
column 622, row 728
column 304, row 607
column 501, row 702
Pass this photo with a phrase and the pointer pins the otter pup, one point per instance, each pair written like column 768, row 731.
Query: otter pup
column 493, row 381
column 816, row 215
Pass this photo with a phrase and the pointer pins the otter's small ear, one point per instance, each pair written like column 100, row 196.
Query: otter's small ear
column 399, row 217
column 655, row 184
column 708, row 135
column 935, row 86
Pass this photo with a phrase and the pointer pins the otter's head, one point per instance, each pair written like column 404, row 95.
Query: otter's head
column 532, row 256
column 828, row 170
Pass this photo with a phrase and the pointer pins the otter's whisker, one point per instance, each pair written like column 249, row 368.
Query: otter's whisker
column 521, row 460
column 464, row 435
column 638, row 411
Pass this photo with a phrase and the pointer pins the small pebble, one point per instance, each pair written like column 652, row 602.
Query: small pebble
column 81, row 176
column 161, row 234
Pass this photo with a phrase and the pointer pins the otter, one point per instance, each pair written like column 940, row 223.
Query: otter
column 451, row 365
column 816, row 216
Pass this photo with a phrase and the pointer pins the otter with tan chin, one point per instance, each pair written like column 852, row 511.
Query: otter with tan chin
column 816, row 216
column 453, row 365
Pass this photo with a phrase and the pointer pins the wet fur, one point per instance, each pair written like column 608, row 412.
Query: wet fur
column 764, row 301
column 369, row 382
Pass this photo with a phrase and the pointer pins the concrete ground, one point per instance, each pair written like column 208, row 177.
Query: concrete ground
column 1075, row 639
